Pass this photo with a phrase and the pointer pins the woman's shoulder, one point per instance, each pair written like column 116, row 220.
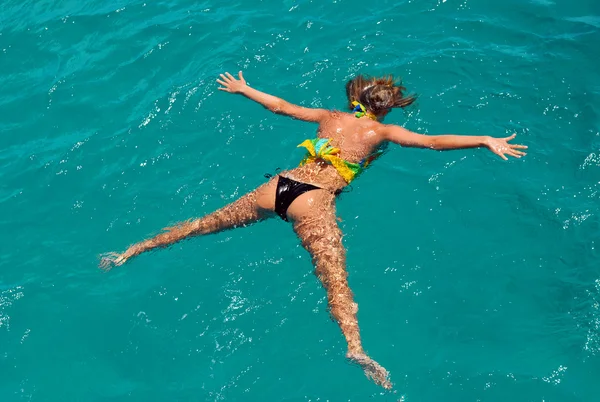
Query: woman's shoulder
column 338, row 114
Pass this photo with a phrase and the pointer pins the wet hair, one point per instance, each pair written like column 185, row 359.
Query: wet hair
column 377, row 94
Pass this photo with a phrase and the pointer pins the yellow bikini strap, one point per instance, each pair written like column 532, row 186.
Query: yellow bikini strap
column 360, row 111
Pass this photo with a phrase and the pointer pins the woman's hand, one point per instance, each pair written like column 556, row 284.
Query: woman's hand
column 231, row 85
column 501, row 147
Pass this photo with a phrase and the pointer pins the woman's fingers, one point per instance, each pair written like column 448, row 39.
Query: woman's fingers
column 503, row 149
column 227, row 80
column 500, row 154
column 516, row 153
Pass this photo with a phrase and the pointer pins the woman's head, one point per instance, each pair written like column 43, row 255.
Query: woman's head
column 377, row 94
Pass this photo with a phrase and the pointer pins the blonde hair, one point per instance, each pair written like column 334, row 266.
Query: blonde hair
column 377, row 94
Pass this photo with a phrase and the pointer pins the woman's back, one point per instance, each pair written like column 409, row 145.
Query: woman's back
column 356, row 140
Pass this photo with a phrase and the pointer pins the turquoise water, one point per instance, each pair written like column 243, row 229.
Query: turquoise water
column 477, row 279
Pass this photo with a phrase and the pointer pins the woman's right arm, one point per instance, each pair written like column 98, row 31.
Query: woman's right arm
column 273, row 103
column 406, row 138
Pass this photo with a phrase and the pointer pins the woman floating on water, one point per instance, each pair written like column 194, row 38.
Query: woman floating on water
column 345, row 145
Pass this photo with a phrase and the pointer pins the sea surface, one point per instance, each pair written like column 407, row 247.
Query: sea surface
column 477, row 279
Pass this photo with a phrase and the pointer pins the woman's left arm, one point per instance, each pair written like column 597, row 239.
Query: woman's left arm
column 274, row 104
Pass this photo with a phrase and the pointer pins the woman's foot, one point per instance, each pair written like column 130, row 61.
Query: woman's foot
column 372, row 369
column 109, row 260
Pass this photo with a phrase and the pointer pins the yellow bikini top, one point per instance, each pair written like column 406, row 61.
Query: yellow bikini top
column 319, row 148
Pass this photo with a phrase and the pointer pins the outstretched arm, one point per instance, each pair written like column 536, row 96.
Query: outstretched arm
column 273, row 103
column 499, row 146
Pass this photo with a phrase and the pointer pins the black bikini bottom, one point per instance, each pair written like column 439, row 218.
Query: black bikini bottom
column 287, row 191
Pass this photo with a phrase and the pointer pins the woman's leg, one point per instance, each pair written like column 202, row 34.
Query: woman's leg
column 318, row 230
column 250, row 208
